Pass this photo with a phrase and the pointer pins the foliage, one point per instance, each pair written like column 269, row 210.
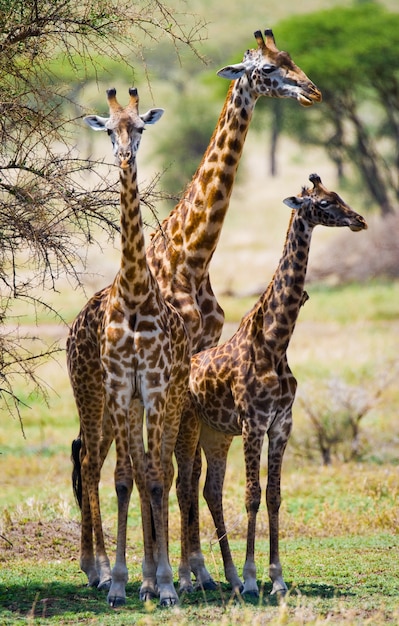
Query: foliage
column 352, row 54
column 48, row 212
column 335, row 411
column 182, row 148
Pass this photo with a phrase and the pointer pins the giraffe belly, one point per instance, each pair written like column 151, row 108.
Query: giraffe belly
column 224, row 421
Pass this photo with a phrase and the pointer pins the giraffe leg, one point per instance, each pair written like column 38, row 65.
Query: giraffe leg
column 203, row 580
column 216, row 446
column 123, row 478
column 187, row 454
column 97, row 570
column 123, row 486
column 159, row 477
column 87, row 559
column 154, row 475
column 277, row 445
column 278, row 436
column 148, row 589
column 253, row 442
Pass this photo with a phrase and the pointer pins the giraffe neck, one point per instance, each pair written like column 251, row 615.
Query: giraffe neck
column 133, row 276
column 196, row 222
column 280, row 304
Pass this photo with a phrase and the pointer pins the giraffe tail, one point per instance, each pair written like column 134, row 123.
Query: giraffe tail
column 76, row 471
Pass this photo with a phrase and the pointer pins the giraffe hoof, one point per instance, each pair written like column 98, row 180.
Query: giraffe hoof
column 104, row 585
column 279, row 588
column 116, row 601
column 206, row 585
column 251, row 593
column 167, row 602
column 147, row 595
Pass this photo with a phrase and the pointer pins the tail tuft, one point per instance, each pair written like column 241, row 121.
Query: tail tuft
column 76, row 471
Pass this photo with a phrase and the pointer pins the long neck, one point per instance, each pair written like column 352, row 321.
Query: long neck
column 133, row 277
column 281, row 302
column 195, row 224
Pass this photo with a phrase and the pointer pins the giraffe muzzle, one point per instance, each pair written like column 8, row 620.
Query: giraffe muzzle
column 125, row 159
column 358, row 224
column 310, row 96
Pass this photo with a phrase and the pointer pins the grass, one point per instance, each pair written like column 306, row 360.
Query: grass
column 335, row 572
column 322, row 588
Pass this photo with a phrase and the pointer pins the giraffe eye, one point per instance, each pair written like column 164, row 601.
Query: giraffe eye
column 268, row 70
column 324, row 204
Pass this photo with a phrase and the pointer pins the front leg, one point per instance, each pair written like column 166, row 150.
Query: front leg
column 252, row 442
column 123, row 486
column 277, row 445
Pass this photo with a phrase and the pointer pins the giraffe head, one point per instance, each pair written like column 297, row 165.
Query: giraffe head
column 124, row 125
column 317, row 205
column 273, row 73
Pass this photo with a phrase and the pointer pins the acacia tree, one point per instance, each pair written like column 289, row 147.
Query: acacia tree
column 352, row 54
column 47, row 212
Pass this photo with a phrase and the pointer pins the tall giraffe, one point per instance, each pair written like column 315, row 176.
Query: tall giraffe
column 128, row 351
column 182, row 247
column 245, row 386
column 181, row 250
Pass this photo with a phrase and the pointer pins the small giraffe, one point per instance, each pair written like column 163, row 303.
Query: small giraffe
column 245, row 386
column 128, row 351
column 181, row 250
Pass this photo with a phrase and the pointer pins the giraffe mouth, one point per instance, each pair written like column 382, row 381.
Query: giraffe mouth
column 305, row 101
column 308, row 99
column 356, row 227
column 358, row 224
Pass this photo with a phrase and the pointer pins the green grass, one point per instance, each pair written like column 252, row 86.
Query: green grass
column 340, row 580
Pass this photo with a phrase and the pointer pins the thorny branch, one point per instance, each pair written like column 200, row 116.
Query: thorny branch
column 54, row 202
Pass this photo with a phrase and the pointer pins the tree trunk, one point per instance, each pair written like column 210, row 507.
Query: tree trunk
column 366, row 158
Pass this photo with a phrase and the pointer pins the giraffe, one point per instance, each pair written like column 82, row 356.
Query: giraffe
column 128, row 351
column 245, row 386
column 181, row 249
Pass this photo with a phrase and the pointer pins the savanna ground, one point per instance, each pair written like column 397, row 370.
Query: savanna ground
column 339, row 537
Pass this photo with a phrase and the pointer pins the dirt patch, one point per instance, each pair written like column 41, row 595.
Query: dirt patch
column 40, row 540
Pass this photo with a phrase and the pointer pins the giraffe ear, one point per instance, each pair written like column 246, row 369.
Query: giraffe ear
column 294, row 202
column 96, row 122
column 232, row 72
column 152, row 116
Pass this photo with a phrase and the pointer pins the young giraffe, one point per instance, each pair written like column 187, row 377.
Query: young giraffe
column 127, row 352
column 182, row 248
column 245, row 386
